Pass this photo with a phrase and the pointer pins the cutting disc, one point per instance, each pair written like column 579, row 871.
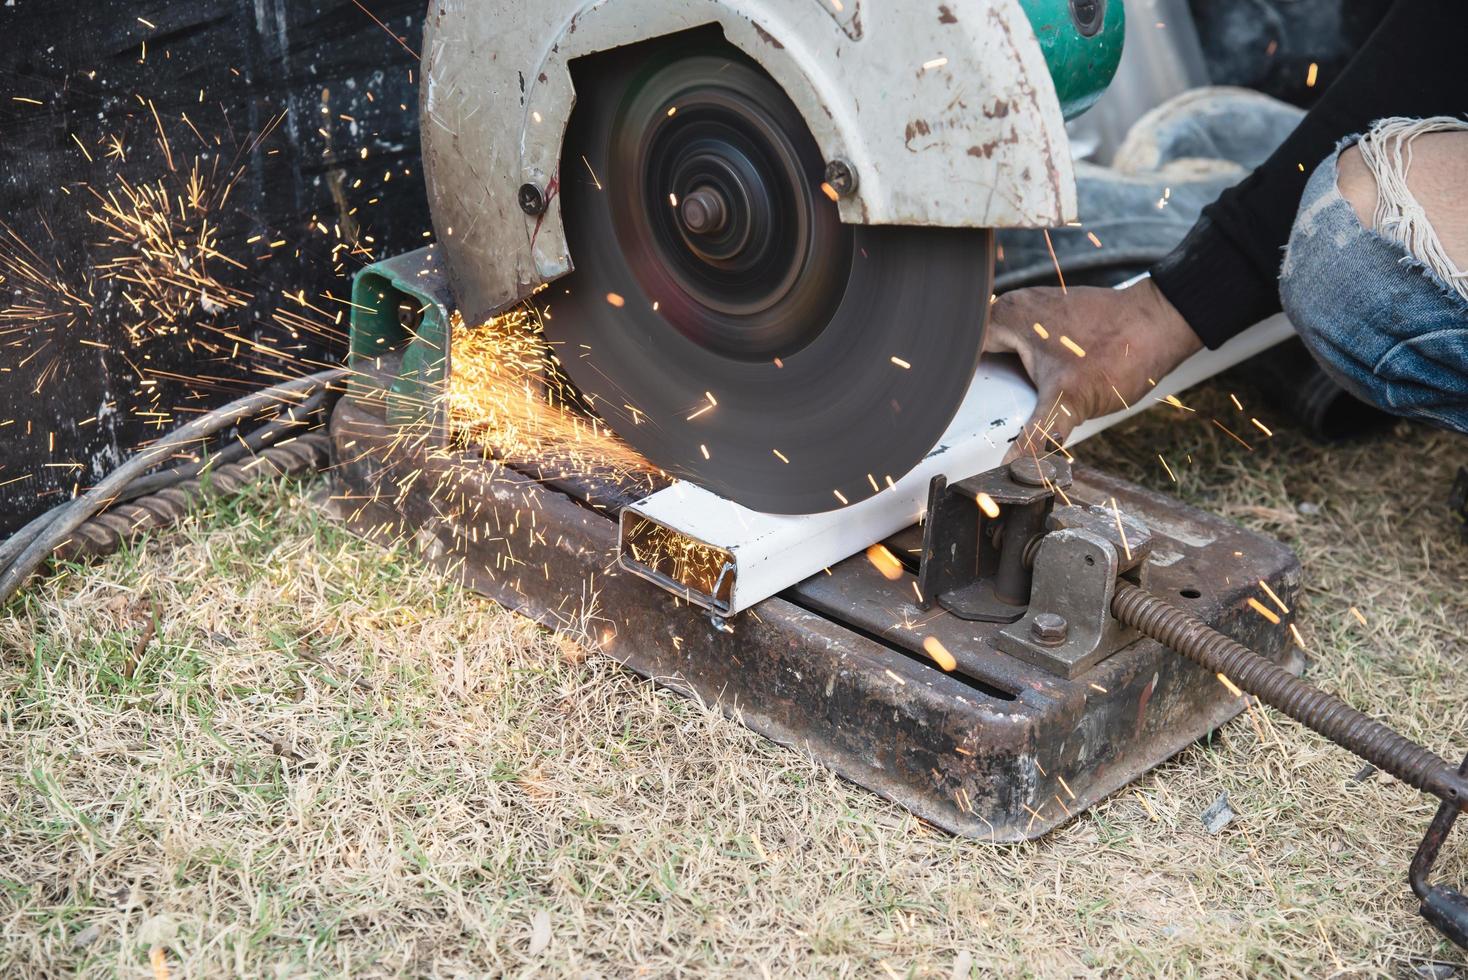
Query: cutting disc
column 723, row 320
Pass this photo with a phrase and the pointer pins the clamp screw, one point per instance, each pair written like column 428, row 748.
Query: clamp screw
column 1050, row 629
column 532, row 201
column 841, row 177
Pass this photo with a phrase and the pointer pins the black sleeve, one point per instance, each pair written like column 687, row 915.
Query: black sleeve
column 1224, row 276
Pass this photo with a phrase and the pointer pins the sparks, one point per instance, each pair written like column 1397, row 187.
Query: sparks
column 884, row 561
column 1263, row 610
column 934, row 648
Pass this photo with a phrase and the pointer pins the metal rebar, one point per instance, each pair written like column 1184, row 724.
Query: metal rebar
column 1327, row 714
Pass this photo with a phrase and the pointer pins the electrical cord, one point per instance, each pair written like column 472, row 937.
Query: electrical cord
column 29, row 548
column 294, row 419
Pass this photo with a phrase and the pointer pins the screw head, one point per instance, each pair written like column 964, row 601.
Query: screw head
column 841, row 176
column 532, row 201
column 1049, row 628
column 1088, row 16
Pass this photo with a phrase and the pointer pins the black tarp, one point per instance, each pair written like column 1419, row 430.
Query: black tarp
column 123, row 123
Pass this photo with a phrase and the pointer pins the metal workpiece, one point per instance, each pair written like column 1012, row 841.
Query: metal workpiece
column 948, row 114
column 403, row 307
column 771, row 552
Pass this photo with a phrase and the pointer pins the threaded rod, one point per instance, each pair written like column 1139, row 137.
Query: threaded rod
column 1313, row 708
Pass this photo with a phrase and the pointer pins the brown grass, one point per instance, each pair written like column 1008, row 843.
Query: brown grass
column 327, row 761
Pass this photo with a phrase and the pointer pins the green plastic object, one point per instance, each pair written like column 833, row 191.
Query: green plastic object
column 402, row 304
column 1082, row 41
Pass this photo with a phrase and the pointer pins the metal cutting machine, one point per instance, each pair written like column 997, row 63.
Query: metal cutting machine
column 756, row 241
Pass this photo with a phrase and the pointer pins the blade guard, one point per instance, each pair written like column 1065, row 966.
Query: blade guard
column 947, row 114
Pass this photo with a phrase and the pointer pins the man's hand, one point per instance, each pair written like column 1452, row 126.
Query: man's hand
column 1090, row 351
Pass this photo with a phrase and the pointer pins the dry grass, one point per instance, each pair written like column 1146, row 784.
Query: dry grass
column 327, row 762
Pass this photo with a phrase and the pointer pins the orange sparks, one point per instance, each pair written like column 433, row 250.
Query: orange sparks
column 988, row 505
column 934, row 648
column 829, row 191
column 416, row 56
column 934, row 63
column 1272, row 597
column 1262, row 427
column 885, row 562
column 1263, row 610
column 616, row 300
column 1094, row 240
column 1040, row 329
column 1232, row 687
column 780, row 456
column 703, row 449
column 841, row 497
column 901, row 363
column 1167, row 468
column 1312, row 75
column 1232, row 435
column 1357, row 613
column 1053, row 258
column 1072, row 346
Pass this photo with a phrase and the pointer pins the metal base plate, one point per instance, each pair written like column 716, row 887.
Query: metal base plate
column 834, row 667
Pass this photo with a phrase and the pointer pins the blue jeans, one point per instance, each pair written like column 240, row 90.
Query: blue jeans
column 1379, row 321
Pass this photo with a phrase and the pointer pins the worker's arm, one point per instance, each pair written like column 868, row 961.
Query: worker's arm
column 1224, row 276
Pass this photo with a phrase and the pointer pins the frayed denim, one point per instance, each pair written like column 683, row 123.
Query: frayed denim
column 1380, row 322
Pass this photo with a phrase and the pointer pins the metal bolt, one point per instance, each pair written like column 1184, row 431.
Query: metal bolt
column 1032, row 472
column 1088, row 16
column 704, row 212
column 841, row 177
column 1050, row 629
column 532, row 201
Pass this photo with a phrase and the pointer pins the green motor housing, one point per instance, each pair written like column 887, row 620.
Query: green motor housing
column 1082, row 42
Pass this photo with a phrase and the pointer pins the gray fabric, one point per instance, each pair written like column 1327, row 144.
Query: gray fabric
column 1174, row 162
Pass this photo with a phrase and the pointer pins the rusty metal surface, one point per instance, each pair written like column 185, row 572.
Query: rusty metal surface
column 834, row 668
column 1446, row 908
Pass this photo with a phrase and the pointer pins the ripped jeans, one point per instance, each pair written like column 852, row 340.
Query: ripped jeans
column 1388, row 322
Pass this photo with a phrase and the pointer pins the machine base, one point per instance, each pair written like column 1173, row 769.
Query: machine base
column 835, row 667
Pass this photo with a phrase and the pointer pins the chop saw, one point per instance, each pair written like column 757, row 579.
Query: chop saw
column 757, row 238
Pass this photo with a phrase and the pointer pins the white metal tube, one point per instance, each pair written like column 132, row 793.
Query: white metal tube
column 768, row 553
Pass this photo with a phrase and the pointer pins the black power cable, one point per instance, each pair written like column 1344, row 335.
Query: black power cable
column 27, row 549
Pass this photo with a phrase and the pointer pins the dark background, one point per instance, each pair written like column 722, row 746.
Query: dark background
column 80, row 387
column 86, row 373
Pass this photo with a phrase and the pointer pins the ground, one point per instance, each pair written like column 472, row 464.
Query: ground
column 329, row 761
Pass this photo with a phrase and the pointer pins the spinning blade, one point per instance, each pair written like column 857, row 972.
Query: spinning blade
column 722, row 320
